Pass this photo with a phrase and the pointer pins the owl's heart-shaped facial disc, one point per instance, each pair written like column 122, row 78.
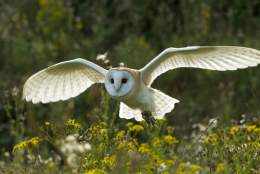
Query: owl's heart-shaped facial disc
column 119, row 83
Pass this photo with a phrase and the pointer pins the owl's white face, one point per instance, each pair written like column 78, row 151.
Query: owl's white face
column 119, row 83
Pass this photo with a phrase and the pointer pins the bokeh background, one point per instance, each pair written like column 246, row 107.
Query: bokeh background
column 37, row 33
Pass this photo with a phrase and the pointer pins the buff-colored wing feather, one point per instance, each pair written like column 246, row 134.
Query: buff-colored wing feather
column 219, row 58
column 62, row 81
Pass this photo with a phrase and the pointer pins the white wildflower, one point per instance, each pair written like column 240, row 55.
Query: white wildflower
column 87, row 146
column 212, row 123
column 71, row 148
column 106, row 61
column 162, row 167
column 243, row 120
column 121, row 64
column 201, row 127
column 6, row 154
column 71, row 138
column 72, row 159
column 15, row 91
column 101, row 57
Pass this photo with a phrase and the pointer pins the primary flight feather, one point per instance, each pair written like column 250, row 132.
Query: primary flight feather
column 130, row 86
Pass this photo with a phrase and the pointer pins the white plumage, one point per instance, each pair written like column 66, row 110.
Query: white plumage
column 219, row 58
column 132, row 87
column 62, row 81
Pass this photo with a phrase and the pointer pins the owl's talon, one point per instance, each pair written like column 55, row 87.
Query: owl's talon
column 148, row 117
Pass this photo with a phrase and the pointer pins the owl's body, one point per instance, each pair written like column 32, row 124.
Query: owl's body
column 139, row 96
column 142, row 98
column 130, row 86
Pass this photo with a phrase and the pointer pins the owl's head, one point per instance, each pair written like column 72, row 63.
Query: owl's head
column 119, row 82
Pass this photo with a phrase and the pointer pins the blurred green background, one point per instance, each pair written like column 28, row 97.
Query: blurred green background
column 37, row 33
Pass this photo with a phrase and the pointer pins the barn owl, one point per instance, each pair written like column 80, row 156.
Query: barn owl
column 132, row 87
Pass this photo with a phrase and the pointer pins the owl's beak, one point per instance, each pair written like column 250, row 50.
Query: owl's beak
column 117, row 85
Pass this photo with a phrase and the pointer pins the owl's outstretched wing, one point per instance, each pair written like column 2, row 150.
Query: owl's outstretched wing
column 62, row 81
column 219, row 58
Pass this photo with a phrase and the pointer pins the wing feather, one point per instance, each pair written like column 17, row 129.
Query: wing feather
column 55, row 88
column 219, row 58
column 62, row 81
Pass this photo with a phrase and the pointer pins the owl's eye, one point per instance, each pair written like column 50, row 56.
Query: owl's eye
column 112, row 81
column 124, row 80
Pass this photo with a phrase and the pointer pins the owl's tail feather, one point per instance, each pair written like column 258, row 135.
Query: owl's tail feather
column 162, row 103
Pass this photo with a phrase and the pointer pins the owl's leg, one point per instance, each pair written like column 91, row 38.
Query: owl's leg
column 148, row 117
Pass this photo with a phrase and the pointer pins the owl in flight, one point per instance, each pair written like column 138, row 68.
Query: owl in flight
column 132, row 87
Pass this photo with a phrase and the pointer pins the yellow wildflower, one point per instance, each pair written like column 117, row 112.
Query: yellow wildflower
column 109, row 160
column 157, row 141
column 34, row 141
column 102, row 124
column 181, row 168
column 168, row 139
column 195, row 168
column 233, row 130
column 220, row 167
column 131, row 145
column 129, row 124
column 25, row 144
column 50, row 165
column 21, row 146
column 95, row 163
column 120, row 134
column 136, row 128
column 71, row 123
column 121, row 144
column 44, row 3
column 187, row 168
column 169, row 162
column 170, row 129
column 95, row 171
column 144, row 148
column 211, row 139
column 257, row 130
column 251, row 128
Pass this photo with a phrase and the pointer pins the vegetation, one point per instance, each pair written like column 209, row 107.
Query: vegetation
column 137, row 148
column 215, row 128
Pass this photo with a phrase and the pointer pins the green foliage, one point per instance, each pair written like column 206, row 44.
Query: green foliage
column 137, row 148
